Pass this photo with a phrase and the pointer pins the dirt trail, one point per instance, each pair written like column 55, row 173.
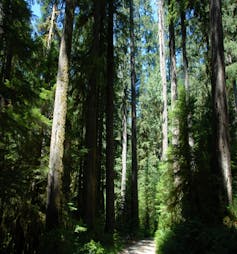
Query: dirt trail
column 141, row 247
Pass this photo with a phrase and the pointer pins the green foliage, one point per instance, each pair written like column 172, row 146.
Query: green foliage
column 148, row 143
column 77, row 241
column 21, row 226
column 27, row 76
column 167, row 205
column 194, row 237
column 92, row 248
column 186, row 177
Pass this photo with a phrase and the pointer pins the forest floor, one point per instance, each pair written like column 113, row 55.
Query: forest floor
column 140, row 247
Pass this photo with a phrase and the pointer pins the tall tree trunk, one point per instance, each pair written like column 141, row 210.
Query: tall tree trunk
column 100, row 171
column 134, row 189
column 47, row 78
column 67, row 162
column 220, row 111
column 110, row 215
column 184, row 50
column 174, row 95
column 146, row 181
column 90, row 174
column 90, row 167
column 161, row 32
column 52, row 24
column 124, row 151
column 173, row 72
column 54, row 189
column 185, row 66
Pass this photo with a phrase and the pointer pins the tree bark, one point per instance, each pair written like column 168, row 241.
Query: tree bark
column 124, row 151
column 100, row 155
column 185, row 67
column 90, row 187
column 161, row 31
column 134, row 188
column 220, row 111
column 51, row 28
column 173, row 73
column 174, row 96
column 54, row 189
column 184, row 50
column 110, row 214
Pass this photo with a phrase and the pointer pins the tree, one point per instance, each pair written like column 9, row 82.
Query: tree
column 20, row 119
column 173, row 72
column 110, row 214
column 184, row 38
column 134, row 189
column 161, row 33
column 124, row 150
column 52, row 24
column 54, row 189
column 95, row 75
column 220, row 111
column 183, row 22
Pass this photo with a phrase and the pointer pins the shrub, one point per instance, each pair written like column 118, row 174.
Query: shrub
column 194, row 237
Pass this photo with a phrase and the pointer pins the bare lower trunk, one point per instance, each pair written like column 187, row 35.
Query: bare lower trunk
column 124, row 151
column 99, row 159
column 161, row 32
column 220, row 110
column 54, row 189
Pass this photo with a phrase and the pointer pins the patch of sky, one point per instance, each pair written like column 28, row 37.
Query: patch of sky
column 36, row 9
column 154, row 9
column 36, row 15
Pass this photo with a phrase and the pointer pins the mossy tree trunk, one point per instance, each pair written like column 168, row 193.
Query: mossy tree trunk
column 54, row 188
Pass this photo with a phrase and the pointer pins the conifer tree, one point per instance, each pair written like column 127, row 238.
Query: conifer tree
column 134, row 189
column 161, row 32
column 110, row 213
column 54, row 189
column 220, row 110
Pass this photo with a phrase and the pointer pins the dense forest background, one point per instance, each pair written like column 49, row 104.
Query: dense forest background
column 118, row 120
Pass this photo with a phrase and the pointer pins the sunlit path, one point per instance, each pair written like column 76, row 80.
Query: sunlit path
column 141, row 247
